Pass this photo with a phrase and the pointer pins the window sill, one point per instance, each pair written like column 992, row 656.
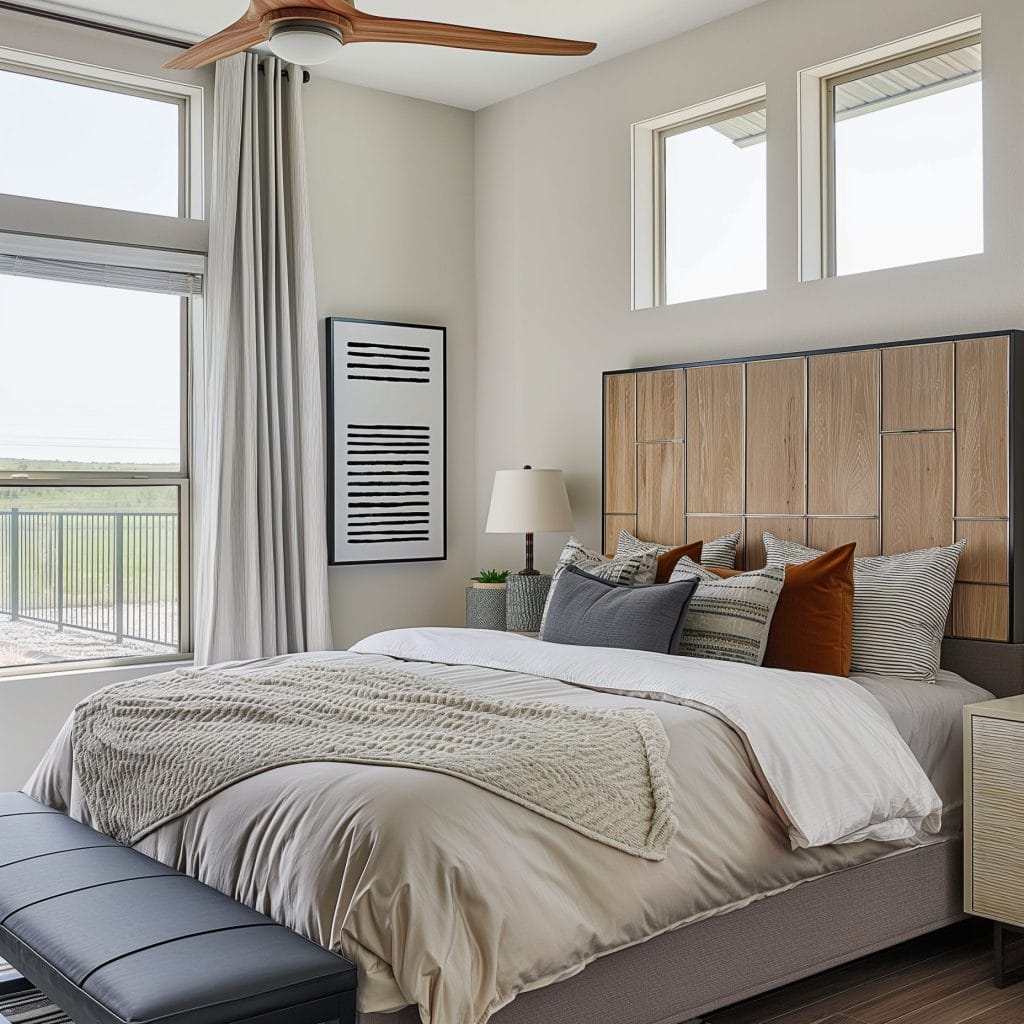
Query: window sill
column 104, row 672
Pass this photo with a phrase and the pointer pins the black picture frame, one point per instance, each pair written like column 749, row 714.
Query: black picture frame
column 335, row 420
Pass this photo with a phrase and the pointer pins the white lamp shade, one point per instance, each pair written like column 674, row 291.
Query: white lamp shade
column 529, row 501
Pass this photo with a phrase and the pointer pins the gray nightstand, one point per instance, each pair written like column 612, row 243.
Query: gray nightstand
column 485, row 608
column 994, row 823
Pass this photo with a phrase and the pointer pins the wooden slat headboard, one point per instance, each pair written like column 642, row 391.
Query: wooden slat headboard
column 897, row 447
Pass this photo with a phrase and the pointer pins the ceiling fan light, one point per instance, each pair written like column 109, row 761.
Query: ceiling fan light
column 306, row 42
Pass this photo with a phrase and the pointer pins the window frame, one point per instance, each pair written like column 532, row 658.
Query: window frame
column 115, row 237
column 187, row 98
column 828, row 90
column 661, row 211
column 816, row 117
column 648, row 241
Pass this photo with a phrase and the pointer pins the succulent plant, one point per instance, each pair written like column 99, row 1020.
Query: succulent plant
column 492, row 576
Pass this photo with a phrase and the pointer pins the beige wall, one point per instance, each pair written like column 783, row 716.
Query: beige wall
column 553, row 233
column 391, row 182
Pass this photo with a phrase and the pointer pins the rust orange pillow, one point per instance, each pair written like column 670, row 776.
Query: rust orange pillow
column 812, row 629
column 667, row 561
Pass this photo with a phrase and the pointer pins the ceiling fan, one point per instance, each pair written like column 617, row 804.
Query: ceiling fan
column 313, row 31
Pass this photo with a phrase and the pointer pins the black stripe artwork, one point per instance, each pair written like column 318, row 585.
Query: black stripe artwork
column 402, row 511
column 396, row 364
column 388, row 442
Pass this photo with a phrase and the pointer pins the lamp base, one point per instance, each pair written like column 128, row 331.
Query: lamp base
column 529, row 570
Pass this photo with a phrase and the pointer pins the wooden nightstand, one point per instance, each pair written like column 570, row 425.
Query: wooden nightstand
column 994, row 823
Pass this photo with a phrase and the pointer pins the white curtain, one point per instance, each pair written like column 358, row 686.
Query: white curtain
column 260, row 550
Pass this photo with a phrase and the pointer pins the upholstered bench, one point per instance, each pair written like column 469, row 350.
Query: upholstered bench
column 112, row 936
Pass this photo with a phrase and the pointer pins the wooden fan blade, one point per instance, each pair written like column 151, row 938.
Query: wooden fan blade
column 234, row 39
column 259, row 8
column 369, row 28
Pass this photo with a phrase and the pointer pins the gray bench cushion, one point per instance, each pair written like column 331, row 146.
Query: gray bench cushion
column 113, row 936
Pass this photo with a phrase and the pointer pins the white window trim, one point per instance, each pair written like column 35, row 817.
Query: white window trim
column 815, row 217
column 647, row 196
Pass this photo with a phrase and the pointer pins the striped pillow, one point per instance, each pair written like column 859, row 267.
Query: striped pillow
column 630, row 570
column 720, row 553
column 900, row 606
column 729, row 619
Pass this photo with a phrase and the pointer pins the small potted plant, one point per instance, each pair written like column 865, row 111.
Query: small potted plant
column 491, row 579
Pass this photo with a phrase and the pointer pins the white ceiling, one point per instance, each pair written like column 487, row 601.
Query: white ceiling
column 457, row 77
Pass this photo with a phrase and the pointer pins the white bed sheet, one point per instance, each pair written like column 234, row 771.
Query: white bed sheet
column 929, row 717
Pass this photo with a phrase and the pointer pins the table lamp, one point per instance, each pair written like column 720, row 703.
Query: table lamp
column 529, row 501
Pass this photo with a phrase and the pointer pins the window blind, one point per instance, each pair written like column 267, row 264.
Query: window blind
column 139, row 279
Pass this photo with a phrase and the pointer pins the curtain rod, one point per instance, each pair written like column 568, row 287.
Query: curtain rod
column 306, row 76
column 117, row 30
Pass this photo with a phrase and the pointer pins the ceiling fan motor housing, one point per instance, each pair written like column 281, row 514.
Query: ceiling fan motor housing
column 297, row 37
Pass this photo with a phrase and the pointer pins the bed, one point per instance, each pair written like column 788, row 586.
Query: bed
column 392, row 867
column 460, row 906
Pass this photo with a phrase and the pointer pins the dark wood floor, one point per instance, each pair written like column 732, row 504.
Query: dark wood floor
column 944, row 978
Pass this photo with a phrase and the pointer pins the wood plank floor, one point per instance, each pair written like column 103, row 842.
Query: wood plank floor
column 943, row 978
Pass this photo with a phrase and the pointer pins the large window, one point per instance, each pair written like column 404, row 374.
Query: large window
column 700, row 201
column 94, row 342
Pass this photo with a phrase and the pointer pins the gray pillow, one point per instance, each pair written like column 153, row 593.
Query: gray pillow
column 639, row 567
column 592, row 612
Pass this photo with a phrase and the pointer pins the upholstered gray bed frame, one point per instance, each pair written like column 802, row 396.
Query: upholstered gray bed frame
column 678, row 976
column 996, row 666
column 818, row 924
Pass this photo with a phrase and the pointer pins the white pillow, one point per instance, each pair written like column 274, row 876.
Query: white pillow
column 900, row 605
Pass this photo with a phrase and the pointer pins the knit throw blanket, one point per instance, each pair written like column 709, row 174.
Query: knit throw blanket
column 149, row 751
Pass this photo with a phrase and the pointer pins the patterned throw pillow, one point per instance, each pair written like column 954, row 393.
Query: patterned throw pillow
column 900, row 606
column 729, row 619
column 630, row 570
column 720, row 553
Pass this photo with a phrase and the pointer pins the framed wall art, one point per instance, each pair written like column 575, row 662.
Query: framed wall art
column 386, row 442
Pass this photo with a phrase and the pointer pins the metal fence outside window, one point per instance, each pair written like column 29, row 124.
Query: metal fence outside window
column 112, row 573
